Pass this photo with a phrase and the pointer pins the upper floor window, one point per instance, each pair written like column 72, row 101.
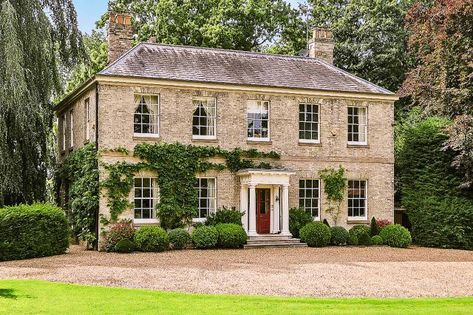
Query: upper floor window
column 258, row 120
column 145, row 198
column 146, row 118
column 357, row 125
column 204, row 120
column 71, row 116
column 87, row 118
column 309, row 197
column 207, row 194
column 63, row 132
column 309, row 123
column 357, row 199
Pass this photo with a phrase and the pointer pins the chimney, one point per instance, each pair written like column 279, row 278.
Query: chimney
column 321, row 45
column 120, row 35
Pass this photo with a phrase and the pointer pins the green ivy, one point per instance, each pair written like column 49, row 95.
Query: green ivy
column 335, row 183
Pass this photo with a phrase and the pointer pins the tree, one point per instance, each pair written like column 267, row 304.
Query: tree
column 370, row 40
column 441, row 42
column 36, row 38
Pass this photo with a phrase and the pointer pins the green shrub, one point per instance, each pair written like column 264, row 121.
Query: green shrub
column 179, row 238
column 362, row 233
column 298, row 218
column 121, row 230
column 315, row 234
column 125, row 246
column 339, row 235
column 37, row 230
column 376, row 240
column 364, row 239
column 352, row 240
column 205, row 237
column 151, row 239
column 231, row 235
column 224, row 215
column 374, row 229
column 396, row 235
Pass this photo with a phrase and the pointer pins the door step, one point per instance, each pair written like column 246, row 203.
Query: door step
column 273, row 241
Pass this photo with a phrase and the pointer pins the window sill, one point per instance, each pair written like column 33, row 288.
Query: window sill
column 358, row 145
column 140, row 222
column 267, row 142
column 358, row 221
column 310, row 144
column 146, row 137
column 210, row 140
column 199, row 220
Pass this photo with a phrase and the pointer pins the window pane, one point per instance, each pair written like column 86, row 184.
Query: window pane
column 309, row 196
column 207, row 196
column 357, row 205
column 146, row 117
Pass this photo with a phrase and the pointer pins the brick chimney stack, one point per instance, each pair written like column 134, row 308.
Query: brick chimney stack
column 321, row 45
column 120, row 35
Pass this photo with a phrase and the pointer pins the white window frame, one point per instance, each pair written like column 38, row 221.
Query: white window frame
column 364, row 125
column 318, row 123
column 259, row 103
column 206, row 99
column 154, row 200
column 199, row 219
column 87, row 118
column 64, row 132
column 358, row 218
column 71, row 134
column 158, row 115
column 317, row 218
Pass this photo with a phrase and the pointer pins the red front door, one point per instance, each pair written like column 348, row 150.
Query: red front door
column 263, row 208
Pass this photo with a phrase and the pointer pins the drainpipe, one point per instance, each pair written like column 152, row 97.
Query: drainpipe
column 97, row 217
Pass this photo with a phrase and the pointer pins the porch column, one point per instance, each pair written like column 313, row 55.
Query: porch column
column 252, row 211
column 285, row 211
column 244, row 206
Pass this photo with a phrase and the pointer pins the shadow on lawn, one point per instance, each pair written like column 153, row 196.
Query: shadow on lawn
column 8, row 294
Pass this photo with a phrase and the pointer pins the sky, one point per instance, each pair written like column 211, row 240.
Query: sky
column 89, row 11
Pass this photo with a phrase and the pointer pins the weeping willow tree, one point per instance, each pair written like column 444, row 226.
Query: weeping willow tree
column 39, row 40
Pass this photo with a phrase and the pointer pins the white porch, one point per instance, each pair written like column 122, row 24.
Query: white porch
column 264, row 199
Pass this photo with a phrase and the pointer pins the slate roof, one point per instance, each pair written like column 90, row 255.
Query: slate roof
column 186, row 63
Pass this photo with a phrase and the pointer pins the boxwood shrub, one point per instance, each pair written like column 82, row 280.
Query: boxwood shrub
column 231, row 235
column 316, row 234
column 376, row 240
column 298, row 218
column 339, row 235
column 36, row 230
column 395, row 235
column 224, row 215
column 179, row 238
column 121, row 230
column 151, row 239
column 125, row 246
column 205, row 237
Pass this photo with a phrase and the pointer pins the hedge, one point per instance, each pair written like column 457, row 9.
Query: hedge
column 298, row 218
column 396, row 235
column 231, row 235
column 151, row 239
column 316, row 234
column 37, row 230
column 179, row 238
column 205, row 237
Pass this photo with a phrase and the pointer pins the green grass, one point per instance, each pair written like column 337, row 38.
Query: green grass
column 41, row 297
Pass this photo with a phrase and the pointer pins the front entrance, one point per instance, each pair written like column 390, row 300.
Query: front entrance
column 263, row 210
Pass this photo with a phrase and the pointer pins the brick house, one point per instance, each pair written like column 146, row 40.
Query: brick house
column 312, row 113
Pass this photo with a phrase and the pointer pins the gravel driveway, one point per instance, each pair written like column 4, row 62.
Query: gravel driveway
column 323, row 272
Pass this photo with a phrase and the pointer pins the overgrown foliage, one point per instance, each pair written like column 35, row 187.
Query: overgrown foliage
column 37, row 39
column 121, row 230
column 80, row 173
column 225, row 215
column 298, row 218
column 335, row 184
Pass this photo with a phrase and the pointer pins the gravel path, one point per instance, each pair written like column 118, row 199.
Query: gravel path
column 324, row 272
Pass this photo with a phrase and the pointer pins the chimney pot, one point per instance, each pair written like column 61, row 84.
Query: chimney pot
column 321, row 45
column 120, row 35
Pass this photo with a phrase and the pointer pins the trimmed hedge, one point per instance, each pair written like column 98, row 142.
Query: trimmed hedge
column 377, row 240
column 205, row 237
column 37, row 230
column 125, row 246
column 316, row 234
column 298, row 218
column 396, row 235
column 224, row 215
column 152, row 239
column 179, row 238
column 340, row 235
column 231, row 235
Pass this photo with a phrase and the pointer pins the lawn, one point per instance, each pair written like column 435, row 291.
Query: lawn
column 41, row 297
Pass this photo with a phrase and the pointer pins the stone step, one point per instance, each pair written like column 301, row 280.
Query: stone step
column 274, row 244
column 271, row 237
column 290, row 240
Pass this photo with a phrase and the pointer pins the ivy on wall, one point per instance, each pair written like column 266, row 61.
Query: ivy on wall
column 177, row 166
column 335, row 184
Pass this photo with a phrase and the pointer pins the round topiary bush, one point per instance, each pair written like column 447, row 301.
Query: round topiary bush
column 125, row 246
column 298, row 218
column 36, row 230
column 364, row 239
column 359, row 229
column 339, row 235
column 396, row 235
column 231, row 235
column 151, row 239
column 316, row 234
column 179, row 238
column 205, row 237
column 377, row 240
column 352, row 240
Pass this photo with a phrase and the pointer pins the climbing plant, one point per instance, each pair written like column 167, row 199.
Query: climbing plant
column 335, row 184
column 176, row 166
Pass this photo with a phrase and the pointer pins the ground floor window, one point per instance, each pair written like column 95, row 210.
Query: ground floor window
column 146, row 198
column 357, row 199
column 207, row 193
column 309, row 196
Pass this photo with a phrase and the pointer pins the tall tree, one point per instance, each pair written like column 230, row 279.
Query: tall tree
column 370, row 39
column 36, row 38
